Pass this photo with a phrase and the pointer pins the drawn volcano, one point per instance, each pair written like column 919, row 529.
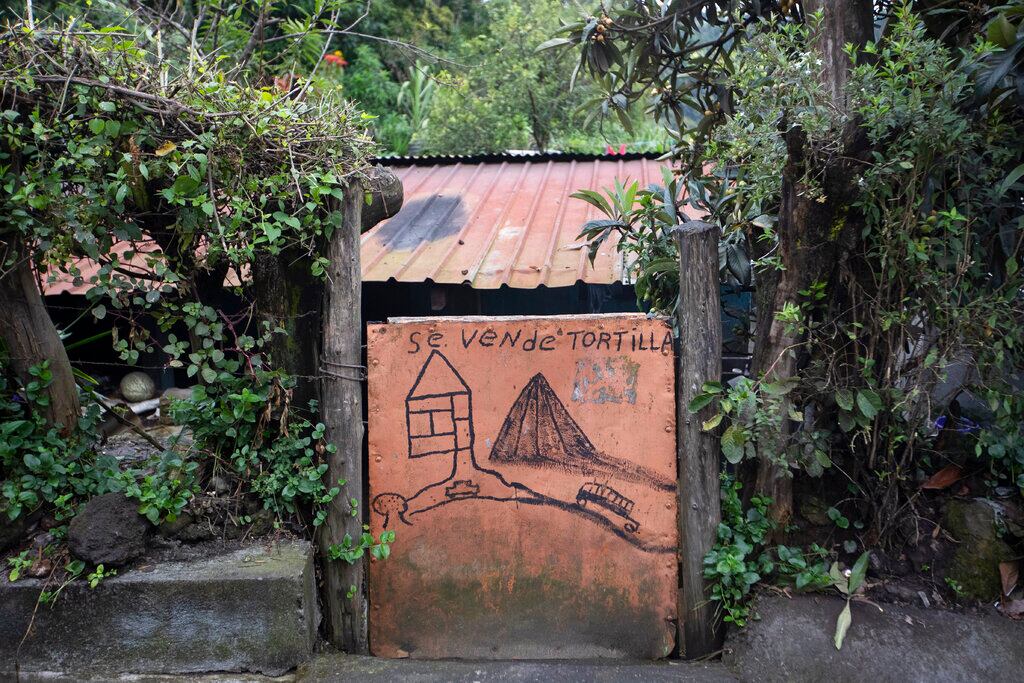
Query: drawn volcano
column 539, row 432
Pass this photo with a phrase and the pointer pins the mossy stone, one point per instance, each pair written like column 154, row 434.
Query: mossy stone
column 975, row 564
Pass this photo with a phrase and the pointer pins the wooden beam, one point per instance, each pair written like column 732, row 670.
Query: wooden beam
column 341, row 401
column 698, row 318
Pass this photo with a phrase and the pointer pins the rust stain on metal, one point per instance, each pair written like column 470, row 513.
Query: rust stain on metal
column 529, row 524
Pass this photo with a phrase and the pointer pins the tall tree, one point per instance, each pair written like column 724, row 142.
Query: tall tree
column 832, row 159
column 809, row 244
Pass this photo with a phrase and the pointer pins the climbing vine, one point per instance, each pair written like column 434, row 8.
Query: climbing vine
column 176, row 173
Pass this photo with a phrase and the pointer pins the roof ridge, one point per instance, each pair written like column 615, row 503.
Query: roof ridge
column 494, row 157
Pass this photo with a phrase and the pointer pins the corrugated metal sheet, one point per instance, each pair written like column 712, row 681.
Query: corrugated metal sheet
column 488, row 221
column 498, row 223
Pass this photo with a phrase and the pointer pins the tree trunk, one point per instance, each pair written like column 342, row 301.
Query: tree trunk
column 810, row 236
column 341, row 400
column 288, row 297
column 31, row 338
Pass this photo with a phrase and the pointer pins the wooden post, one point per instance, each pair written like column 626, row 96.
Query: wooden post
column 341, row 397
column 698, row 318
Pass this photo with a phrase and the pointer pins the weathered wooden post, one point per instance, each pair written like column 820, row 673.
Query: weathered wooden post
column 698, row 316
column 341, row 397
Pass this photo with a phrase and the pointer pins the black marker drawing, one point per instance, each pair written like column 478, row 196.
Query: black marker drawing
column 610, row 499
column 538, row 431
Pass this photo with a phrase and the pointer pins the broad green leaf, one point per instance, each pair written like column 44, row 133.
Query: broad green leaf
column 733, row 442
column 869, row 402
column 843, row 625
column 700, row 401
column 844, row 399
column 1001, row 32
column 839, row 580
column 554, row 42
column 708, row 425
column 1012, row 177
column 859, row 571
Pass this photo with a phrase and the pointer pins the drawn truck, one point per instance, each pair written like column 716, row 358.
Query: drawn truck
column 609, row 499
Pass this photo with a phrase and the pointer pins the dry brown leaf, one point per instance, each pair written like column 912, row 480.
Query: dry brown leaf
column 1009, row 572
column 1012, row 608
column 944, row 478
column 165, row 149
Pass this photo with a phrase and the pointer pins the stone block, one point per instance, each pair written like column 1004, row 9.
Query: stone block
column 253, row 609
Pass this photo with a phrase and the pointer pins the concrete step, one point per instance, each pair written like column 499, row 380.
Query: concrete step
column 252, row 609
column 793, row 641
column 341, row 668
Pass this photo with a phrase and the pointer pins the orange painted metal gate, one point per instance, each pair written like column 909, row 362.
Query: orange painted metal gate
column 527, row 467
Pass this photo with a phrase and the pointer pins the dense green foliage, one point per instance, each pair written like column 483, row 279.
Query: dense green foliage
column 907, row 333
column 740, row 558
column 493, row 90
column 111, row 136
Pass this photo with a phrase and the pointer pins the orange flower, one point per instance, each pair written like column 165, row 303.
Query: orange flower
column 336, row 58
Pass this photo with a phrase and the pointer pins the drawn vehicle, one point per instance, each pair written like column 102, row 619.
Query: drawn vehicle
column 463, row 488
column 609, row 499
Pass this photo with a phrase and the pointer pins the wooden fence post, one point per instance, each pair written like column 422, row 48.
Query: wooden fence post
column 341, row 397
column 698, row 318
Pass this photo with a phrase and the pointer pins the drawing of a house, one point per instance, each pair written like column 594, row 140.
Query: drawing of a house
column 439, row 411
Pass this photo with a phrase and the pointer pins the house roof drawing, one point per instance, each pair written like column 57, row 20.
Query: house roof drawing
column 437, row 378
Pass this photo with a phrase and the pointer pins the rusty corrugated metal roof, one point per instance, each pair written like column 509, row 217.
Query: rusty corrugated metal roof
column 498, row 222
column 488, row 221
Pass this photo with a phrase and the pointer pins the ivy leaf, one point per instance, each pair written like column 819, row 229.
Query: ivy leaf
column 869, row 402
column 733, row 442
column 209, row 375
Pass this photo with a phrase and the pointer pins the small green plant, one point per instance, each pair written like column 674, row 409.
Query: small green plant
column 808, row 570
column 848, row 583
column 19, row 564
column 73, row 570
column 733, row 565
column 955, row 586
column 40, row 465
column 271, row 449
column 838, row 519
column 99, row 574
column 740, row 558
column 351, row 551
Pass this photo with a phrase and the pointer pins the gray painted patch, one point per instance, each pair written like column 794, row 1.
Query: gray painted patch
column 611, row 380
